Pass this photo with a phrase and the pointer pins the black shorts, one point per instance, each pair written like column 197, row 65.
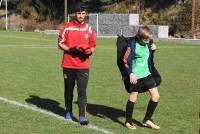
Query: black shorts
column 143, row 84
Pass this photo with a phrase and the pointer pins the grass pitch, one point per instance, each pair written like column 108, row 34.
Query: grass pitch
column 31, row 73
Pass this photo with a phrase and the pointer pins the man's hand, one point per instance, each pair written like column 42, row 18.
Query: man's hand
column 86, row 51
column 73, row 50
column 133, row 78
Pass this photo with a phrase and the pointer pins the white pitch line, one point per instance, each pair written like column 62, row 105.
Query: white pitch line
column 27, row 38
column 45, row 46
column 11, row 45
column 101, row 47
column 26, row 46
column 90, row 126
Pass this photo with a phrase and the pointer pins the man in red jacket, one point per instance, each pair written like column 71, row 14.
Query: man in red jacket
column 78, row 42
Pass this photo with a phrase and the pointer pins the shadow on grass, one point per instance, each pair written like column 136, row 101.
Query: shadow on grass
column 97, row 110
column 46, row 104
column 102, row 111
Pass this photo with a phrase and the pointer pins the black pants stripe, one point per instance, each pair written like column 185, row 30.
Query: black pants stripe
column 81, row 77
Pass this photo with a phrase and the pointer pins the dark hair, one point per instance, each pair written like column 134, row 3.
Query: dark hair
column 80, row 7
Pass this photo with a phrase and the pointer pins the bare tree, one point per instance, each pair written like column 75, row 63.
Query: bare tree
column 193, row 18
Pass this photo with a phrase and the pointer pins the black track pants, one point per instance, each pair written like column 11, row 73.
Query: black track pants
column 81, row 77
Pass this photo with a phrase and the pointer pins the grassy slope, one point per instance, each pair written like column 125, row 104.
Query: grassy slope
column 33, row 75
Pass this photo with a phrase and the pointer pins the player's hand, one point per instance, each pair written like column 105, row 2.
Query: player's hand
column 73, row 50
column 86, row 51
column 133, row 78
column 153, row 46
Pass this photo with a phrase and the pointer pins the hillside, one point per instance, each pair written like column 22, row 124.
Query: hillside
column 42, row 14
